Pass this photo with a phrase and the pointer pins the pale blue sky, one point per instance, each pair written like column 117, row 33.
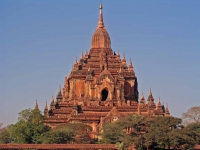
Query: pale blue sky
column 39, row 41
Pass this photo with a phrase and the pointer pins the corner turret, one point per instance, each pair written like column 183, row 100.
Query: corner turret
column 52, row 105
column 46, row 110
column 130, row 67
column 59, row 96
column 150, row 98
column 36, row 105
column 167, row 111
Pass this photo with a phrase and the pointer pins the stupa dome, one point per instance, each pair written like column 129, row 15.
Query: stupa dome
column 100, row 38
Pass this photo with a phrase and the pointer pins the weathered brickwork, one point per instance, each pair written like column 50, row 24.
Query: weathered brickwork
column 66, row 147
column 100, row 88
column 58, row 147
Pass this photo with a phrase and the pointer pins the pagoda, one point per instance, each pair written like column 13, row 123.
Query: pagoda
column 101, row 88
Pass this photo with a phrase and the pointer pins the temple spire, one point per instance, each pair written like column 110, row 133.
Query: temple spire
column 124, row 56
column 142, row 96
column 59, row 89
column 82, row 56
column 59, row 95
column 142, row 100
column 150, row 97
column 131, row 65
column 52, row 103
column 150, row 92
column 100, row 23
column 46, row 107
column 167, row 110
column 52, row 99
column 159, row 103
column 36, row 105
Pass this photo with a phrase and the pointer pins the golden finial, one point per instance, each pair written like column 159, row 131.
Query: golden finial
column 101, row 7
column 100, row 23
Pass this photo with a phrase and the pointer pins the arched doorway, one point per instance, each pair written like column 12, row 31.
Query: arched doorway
column 104, row 94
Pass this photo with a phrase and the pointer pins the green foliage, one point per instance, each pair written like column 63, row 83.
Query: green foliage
column 120, row 146
column 21, row 132
column 68, row 133
column 36, row 117
column 158, row 131
column 61, row 136
column 116, row 132
column 144, row 132
column 194, row 127
column 24, row 114
column 151, row 132
column 137, row 126
column 30, row 130
column 81, row 131
column 165, row 132
column 4, row 136
column 112, row 133
column 29, row 127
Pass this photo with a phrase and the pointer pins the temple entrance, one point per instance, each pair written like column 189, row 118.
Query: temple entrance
column 104, row 94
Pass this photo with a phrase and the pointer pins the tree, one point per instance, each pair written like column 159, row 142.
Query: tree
column 168, row 132
column 24, row 114
column 125, row 132
column 181, row 139
column 21, row 132
column 195, row 127
column 193, row 114
column 151, row 132
column 68, row 133
column 29, row 127
column 158, row 130
column 81, row 132
column 61, row 136
column 112, row 133
column 4, row 136
column 136, row 125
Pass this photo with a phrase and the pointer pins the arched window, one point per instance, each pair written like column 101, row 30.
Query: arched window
column 104, row 94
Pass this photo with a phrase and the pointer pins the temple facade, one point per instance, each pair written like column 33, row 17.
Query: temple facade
column 102, row 87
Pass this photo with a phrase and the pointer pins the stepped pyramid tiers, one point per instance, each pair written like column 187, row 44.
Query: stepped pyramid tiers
column 100, row 88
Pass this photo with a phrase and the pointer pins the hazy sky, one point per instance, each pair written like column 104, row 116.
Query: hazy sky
column 40, row 39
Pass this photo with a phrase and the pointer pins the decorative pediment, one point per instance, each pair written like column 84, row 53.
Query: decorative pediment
column 105, row 75
column 113, row 115
column 106, row 85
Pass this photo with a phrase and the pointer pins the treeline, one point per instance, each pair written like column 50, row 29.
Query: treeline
column 142, row 131
column 152, row 133
column 30, row 130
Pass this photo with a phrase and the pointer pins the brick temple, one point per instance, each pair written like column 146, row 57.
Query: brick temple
column 102, row 87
